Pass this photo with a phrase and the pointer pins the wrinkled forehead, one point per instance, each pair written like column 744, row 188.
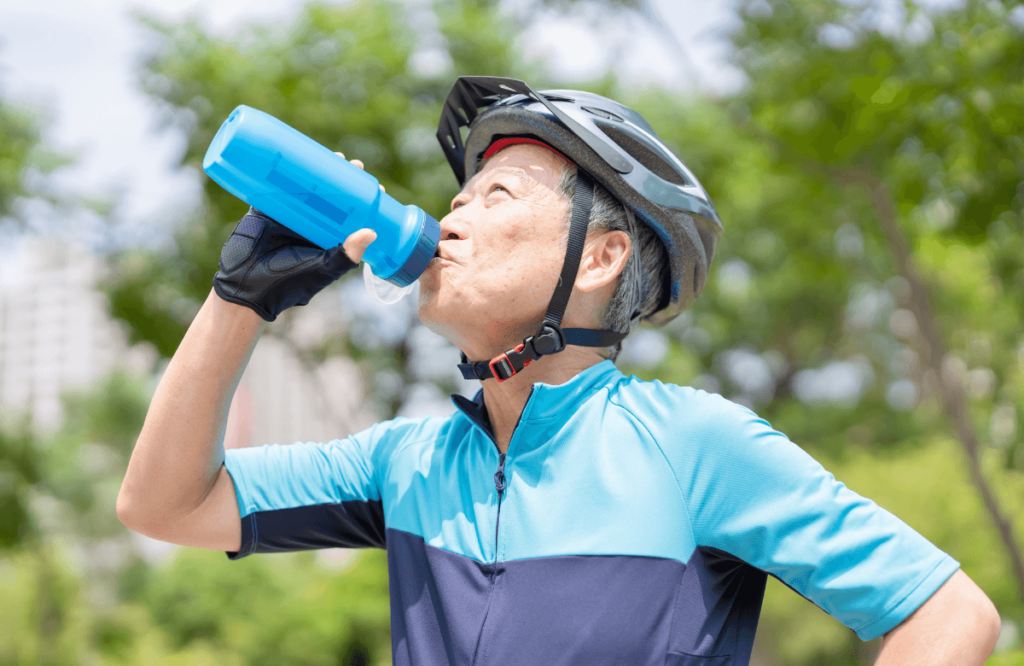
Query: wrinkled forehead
column 531, row 165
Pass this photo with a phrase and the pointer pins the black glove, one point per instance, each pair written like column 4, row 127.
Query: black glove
column 268, row 268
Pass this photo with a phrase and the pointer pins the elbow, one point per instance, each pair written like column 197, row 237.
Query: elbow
column 125, row 512
column 989, row 623
column 980, row 622
column 131, row 516
column 957, row 625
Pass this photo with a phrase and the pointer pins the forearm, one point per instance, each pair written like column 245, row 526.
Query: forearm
column 180, row 449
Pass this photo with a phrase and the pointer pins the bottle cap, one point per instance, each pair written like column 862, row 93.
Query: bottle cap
column 420, row 254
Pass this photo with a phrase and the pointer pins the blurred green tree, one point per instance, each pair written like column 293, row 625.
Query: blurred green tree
column 25, row 160
column 20, row 133
column 55, row 506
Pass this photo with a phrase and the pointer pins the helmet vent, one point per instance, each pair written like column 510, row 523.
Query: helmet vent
column 644, row 155
column 602, row 113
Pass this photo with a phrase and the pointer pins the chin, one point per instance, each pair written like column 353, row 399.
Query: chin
column 430, row 313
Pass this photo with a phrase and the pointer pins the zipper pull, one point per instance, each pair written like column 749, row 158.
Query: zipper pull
column 499, row 476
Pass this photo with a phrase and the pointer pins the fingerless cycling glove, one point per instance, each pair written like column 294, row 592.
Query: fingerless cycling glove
column 268, row 268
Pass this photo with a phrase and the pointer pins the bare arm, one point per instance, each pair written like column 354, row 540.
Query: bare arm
column 958, row 625
column 176, row 488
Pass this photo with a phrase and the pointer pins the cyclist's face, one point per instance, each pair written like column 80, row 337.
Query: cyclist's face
column 501, row 251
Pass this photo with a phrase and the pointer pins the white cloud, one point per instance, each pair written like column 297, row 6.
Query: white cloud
column 839, row 382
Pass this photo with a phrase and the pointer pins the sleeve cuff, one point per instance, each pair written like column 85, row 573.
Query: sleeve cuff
column 249, row 532
column 248, row 538
column 939, row 574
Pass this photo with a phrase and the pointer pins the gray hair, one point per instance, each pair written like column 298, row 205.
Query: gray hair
column 640, row 286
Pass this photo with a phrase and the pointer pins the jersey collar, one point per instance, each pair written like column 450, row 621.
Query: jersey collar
column 547, row 401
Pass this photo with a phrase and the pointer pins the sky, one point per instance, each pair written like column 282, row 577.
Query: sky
column 75, row 62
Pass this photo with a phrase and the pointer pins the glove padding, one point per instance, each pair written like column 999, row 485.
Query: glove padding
column 268, row 268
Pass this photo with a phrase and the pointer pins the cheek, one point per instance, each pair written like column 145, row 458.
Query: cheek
column 519, row 260
column 509, row 273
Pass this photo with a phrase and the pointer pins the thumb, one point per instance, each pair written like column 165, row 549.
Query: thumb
column 355, row 245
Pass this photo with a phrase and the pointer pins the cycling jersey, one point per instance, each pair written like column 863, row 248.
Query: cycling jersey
column 630, row 522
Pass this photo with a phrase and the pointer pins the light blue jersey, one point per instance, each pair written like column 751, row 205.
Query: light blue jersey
column 630, row 522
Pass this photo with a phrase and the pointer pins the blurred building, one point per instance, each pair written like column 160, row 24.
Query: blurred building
column 281, row 400
column 56, row 335
column 54, row 331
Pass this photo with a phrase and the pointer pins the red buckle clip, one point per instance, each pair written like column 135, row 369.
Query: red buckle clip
column 502, row 361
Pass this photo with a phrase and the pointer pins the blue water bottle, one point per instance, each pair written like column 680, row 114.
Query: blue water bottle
column 317, row 194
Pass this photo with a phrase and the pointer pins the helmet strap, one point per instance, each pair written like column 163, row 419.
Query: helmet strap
column 550, row 338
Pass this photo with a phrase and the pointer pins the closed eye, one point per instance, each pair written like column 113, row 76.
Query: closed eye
column 494, row 188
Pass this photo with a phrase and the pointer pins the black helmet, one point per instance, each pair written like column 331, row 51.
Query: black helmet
column 614, row 145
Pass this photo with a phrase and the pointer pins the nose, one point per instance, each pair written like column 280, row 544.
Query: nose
column 452, row 228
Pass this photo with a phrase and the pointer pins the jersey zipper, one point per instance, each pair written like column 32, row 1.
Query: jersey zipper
column 499, row 485
column 500, row 482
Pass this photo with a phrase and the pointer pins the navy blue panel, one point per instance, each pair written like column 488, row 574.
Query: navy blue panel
column 353, row 524
column 717, row 609
column 593, row 610
column 583, row 610
column 475, row 410
column 438, row 601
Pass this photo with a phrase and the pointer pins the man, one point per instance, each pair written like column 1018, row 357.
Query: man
column 568, row 514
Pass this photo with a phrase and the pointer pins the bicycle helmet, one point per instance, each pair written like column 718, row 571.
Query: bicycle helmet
column 609, row 143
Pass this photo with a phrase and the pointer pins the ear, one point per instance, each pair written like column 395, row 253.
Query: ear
column 604, row 257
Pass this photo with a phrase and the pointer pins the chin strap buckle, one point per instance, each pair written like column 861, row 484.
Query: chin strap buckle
column 503, row 367
column 549, row 339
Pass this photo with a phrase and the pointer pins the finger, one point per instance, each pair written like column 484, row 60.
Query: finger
column 355, row 245
column 358, row 163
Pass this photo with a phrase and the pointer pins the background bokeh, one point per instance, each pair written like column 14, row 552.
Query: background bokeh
column 866, row 157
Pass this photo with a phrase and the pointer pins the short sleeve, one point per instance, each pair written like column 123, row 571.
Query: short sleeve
column 308, row 495
column 757, row 496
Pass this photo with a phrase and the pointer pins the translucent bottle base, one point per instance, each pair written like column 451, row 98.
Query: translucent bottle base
column 382, row 290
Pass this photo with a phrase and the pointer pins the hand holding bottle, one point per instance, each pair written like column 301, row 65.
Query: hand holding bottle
column 268, row 268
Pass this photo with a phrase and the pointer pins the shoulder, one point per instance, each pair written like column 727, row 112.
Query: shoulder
column 402, row 428
column 664, row 407
column 389, row 437
column 699, row 432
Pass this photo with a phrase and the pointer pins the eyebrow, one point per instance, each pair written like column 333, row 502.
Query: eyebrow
column 518, row 172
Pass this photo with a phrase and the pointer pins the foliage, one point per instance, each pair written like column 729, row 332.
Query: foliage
column 25, row 159
column 20, row 135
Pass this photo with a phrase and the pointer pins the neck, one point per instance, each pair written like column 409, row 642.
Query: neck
column 505, row 401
